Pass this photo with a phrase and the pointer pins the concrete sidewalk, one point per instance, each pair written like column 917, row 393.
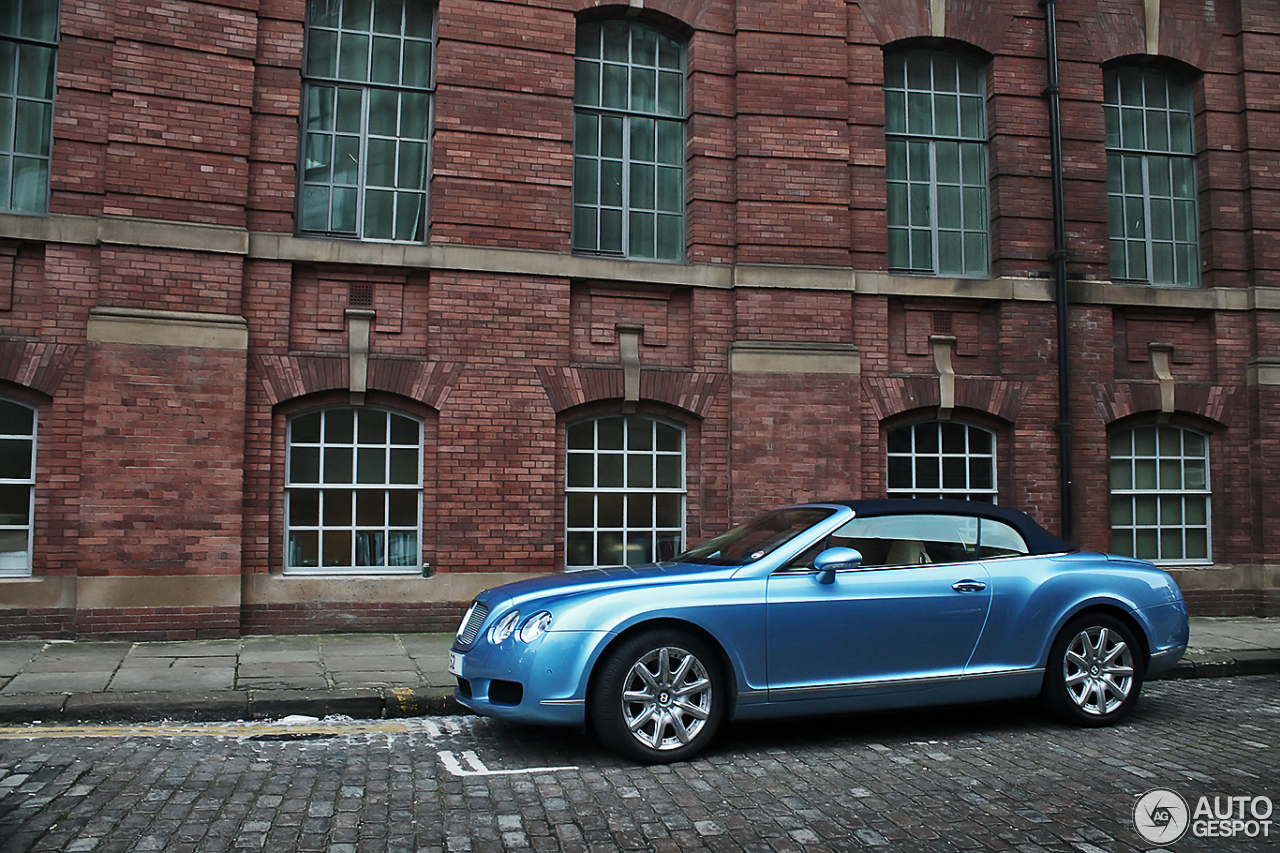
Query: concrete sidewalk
column 359, row 675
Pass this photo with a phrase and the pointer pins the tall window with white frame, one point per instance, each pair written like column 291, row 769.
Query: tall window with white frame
column 629, row 138
column 28, row 59
column 1151, row 177
column 1160, row 494
column 936, row 163
column 942, row 459
column 367, row 94
column 354, row 492
column 625, row 484
column 17, row 487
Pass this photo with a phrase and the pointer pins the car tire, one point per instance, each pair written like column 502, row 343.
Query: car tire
column 659, row 697
column 1094, row 672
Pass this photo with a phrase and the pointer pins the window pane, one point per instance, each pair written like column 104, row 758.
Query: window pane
column 371, row 508
column 609, row 510
column 623, row 506
column 609, row 433
column 941, row 459
column 304, row 549
column 1148, row 113
column 372, row 449
column 304, row 508
column 617, row 189
column 15, row 504
column 367, row 42
column 580, row 511
column 1169, row 516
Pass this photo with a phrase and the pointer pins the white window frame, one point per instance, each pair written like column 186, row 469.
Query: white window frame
column 11, row 568
column 586, row 469
column 336, row 480
column 1160, row 512
column 944, row 461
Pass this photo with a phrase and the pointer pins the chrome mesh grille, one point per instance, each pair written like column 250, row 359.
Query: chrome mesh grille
column 471, row 623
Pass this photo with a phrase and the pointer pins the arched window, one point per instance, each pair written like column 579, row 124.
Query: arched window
column 1151, row 177
column 625, row 488
column 354, row 499
column 942, row 459
column 1160, row 494
column 17, row 487
column 628, row 141
column 936, row 163
column 366, row 111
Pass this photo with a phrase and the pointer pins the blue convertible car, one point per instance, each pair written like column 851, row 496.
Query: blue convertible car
column 823, row 608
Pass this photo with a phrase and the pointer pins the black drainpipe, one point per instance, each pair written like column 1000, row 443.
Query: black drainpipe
column 1059, row 257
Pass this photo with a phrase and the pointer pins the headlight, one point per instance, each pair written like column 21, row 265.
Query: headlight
column 505, row 627
column 535, row 626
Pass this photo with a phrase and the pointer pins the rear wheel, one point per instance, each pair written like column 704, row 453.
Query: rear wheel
column 659, row 697
column 1095, row 671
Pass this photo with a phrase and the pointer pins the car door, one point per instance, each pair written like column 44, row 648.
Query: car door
column 910, row 614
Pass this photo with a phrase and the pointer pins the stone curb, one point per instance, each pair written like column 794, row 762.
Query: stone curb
column 1262, row 662
column 221, row 705
column 372, row 702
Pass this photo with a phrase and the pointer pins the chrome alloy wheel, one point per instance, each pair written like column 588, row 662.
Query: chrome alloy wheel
column 666, row 698
column 1098, row 670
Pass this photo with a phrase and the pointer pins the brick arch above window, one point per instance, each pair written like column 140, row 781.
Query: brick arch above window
column 288, row 377
column 39, row 366
column 683, row 16
column 894, row 395
column 1116, row 401
column 567, row 387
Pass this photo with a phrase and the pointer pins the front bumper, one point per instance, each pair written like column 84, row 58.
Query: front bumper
column 543, row 682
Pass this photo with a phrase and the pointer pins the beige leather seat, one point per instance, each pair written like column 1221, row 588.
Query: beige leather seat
column 907, row 552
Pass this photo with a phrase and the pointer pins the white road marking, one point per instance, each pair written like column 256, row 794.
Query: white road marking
column 477, row 767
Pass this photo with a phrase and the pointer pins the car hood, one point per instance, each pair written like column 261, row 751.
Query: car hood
column 547, row 588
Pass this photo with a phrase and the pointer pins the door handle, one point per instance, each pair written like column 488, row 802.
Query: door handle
column 968, row 586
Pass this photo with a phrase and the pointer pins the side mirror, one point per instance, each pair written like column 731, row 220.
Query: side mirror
column 835, row 560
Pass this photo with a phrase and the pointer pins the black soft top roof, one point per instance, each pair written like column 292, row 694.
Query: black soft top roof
column 1039, row 540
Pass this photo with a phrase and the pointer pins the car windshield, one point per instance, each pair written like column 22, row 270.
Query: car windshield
column 754, row 540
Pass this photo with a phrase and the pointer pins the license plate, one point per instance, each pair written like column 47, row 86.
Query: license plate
column 455, row 664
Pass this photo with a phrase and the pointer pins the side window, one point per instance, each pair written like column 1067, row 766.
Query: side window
column 354, row 492
column 17, row 487
column 1160, row 494
column 625, row 491
column 628, row 141
column 367, row 95
column 998, row 539
column 903, row 540
column 936, row 164
column 28, row 57
column 1151, row 178
column 942, row 459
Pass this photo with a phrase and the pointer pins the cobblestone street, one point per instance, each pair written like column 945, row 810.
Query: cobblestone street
column 966, row 779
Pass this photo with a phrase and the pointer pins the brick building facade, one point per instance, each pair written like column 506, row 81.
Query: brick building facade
column 321, row 315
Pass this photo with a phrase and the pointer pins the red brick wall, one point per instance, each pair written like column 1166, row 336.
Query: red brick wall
column 197, row 121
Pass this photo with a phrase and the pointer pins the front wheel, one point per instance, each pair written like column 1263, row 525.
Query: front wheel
column 1095, row 671
column 659, row 697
